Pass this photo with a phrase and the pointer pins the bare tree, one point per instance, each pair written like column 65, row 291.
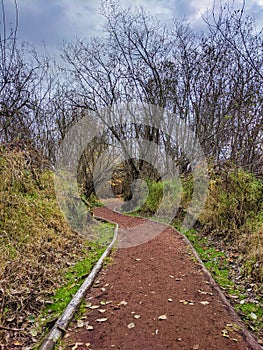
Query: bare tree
column 25, row 88
column 212, row 82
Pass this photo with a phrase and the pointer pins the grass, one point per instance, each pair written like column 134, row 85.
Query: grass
column 75, row 275
column 43, row 260
column 217, row 263
column 73, row 279
column 235, row 197
column 232, row 221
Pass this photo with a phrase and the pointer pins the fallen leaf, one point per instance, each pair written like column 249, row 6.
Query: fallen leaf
column 162, row 317
column 76, row 346
column 225, row 333
column 102, row 311
column 17, row 343
column 138, row 259
column 233, row 296
column 204, row 292
column 131, row 325
column 87, row 345
column 156, row 331
column 171, row 276
column 10, row 319
column 137, row 316
column 94, row 307
column 204, row 302
column 170, row 299
column 123, row 302
column 235, row 340
column 80, row 324
column 185, row 302
column 89, row 327
column 196, row 347
column 101, row 319
column 103, row 289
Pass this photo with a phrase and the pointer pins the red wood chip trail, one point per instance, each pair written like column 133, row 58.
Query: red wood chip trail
column 155, row 296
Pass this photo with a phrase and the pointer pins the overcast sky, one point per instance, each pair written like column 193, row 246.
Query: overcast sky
column 52, row 21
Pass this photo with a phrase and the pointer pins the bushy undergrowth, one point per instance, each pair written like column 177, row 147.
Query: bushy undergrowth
column 37, row 245
column 171, row 191
column 229, row 232
column 233, row 214
column 235, row 197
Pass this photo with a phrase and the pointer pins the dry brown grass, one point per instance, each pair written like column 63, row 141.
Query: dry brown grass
column 36, row 244
column 251, row 244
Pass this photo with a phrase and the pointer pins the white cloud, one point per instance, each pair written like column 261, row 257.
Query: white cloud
column 52, row 21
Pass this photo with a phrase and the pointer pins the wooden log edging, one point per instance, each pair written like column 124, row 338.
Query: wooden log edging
column 62, row 323
column 249, row 338
column 247, row 335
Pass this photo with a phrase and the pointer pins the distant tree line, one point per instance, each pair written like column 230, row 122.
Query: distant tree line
column 212, row 80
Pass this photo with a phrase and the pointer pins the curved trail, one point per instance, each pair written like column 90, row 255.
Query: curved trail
column 156, row 296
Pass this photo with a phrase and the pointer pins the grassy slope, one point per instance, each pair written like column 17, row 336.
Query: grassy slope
column 39, row 250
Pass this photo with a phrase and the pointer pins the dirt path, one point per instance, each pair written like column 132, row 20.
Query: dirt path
column 156, row 296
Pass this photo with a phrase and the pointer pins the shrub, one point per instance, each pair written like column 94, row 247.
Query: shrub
column 177, row 194
column 251, row 245
column 234, row 197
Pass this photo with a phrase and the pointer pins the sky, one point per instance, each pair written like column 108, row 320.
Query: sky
column 51, row 22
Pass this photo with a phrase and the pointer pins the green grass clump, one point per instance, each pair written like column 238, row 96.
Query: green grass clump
column 73, row 278
column 165, row 196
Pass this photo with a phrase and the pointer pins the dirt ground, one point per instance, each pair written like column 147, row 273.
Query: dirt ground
column 156, row 296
